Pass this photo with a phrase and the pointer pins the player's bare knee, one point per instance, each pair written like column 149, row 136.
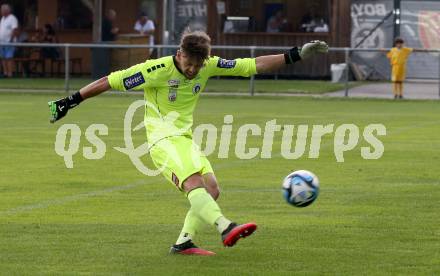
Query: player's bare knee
column 193, row 182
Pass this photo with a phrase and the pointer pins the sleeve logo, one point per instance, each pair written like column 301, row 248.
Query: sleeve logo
column 133, row 81
column 225, row 63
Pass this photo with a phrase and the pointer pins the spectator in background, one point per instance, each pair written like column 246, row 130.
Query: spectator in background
column 49, row 36
column 145, row 26
column 398, row 56
column 277, row 23
column 321, row 26
column 8, row 24
column 309, row 22
column 37, row 36
column 108, row 31
column 20, row 36
column 313, row 20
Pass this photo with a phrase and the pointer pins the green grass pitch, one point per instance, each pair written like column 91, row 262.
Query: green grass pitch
column 104, row 217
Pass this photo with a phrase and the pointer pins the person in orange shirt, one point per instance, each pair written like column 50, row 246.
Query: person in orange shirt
column 398, row 56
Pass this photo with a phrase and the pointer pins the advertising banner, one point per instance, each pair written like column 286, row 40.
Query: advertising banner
column 365, row 16
column 421, row 29
column 190, row 14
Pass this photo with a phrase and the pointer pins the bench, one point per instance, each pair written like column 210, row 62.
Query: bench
column 29, row 63
column 57, row 66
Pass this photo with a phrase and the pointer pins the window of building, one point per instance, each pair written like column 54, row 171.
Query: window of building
column 282, row 15
column 150, row 8
column 74, row 14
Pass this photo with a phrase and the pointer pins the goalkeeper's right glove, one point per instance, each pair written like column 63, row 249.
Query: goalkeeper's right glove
column 59, row 108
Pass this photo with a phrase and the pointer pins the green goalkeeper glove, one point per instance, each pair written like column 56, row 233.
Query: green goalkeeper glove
column 307, row 50
column 59, row 108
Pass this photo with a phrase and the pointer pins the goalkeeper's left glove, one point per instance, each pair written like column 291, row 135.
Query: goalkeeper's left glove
column 59, row 108
column 308, row 49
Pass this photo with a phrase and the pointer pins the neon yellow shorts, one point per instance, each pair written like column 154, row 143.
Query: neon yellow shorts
column 178, row 157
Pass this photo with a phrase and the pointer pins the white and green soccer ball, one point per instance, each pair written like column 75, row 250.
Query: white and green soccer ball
column 300, row 188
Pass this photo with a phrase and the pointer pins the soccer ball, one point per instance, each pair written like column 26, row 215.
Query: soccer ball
column 301, row 188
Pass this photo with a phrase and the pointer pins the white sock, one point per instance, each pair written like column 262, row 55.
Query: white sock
column 222, row 223
column 183, row 237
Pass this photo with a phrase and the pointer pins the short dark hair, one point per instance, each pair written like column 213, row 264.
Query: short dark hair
column 196, row 44
column 398, row 40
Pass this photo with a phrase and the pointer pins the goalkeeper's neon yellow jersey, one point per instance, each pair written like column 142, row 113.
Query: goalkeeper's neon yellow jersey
column 170, row 97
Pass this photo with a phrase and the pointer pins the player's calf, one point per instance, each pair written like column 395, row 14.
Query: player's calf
column 211, row 185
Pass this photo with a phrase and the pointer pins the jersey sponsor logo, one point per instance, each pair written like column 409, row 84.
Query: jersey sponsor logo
column 225, row 63
column 133, row 81
column 428, row 35
column 172, row 92
column 196, row 88
column 174, row 83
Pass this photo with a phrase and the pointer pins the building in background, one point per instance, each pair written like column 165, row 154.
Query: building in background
column 341, row 23
column 73, row 20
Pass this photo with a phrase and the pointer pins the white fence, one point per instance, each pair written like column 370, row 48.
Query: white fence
column 348, row 54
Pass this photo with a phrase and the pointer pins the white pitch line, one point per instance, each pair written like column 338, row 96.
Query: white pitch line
column 67, row 199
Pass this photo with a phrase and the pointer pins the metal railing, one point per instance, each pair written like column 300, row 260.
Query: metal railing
column 347, row 51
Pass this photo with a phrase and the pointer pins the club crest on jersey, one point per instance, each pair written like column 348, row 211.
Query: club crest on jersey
column 225, row 63
column 133, row 81
column 196, row 88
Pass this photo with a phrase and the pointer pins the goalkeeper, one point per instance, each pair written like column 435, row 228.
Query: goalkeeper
column 172, row 86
